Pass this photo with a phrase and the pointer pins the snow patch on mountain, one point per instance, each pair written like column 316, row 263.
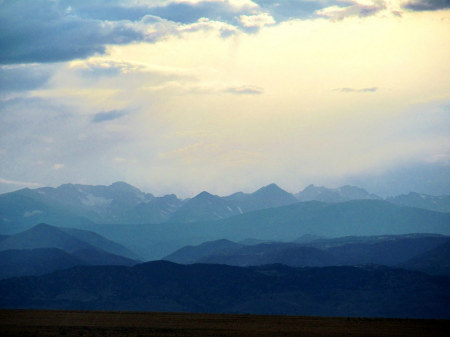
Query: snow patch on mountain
column 93, row 201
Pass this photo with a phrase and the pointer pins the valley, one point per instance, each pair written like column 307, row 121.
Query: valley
column 134, row 324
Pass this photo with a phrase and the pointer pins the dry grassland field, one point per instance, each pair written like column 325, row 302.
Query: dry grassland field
column 133, row 324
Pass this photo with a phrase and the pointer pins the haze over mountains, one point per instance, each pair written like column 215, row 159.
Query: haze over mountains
column 122, row 203
column 156, row 226
column 320, row 252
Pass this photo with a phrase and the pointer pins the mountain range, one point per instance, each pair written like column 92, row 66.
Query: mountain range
column 370, row 291
column 425, row 252
column 74, row 205
column 46, row 248
column 344, row 193
column 48, row 267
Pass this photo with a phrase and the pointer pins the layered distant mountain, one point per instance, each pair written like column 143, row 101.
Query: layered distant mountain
column 206, row 207
column 344, row 193
column 39, row 261
column 158, row 210
column 286, row 223
column 156, row 226
column 271, row 289
column 122, row 203
column 412, row 250
column 26, row 208
column 74, row 205
column 434, row 203
column 358, row 217
column 71, row 204
column 193, row 254
column 67, row 239
column 435, row 261
column 46, row 248
column 289, row 254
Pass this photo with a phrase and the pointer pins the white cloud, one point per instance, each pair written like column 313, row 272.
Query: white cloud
column 19, row 183
column 356, row 8
column 256, row 21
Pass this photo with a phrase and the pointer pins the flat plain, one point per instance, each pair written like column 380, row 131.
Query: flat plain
column 39, row 323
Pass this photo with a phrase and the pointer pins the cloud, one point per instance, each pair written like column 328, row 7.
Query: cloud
column 244, row 90
column 427, row 5
column 14, row 78
column 291, row 9
column 190, row 12
column 207, row 88
column 23, row 77
column 61, row 30
column 19, row 183
column 256, row 21
column 27, row 153
column 206, row 24
column 53, row 31
column 106, row 116
column 99, row 67
column 40, row 31
column 434, row 179
column 353, row 8
column 362, row 90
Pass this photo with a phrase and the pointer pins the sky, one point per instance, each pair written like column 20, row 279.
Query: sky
column 181, row 96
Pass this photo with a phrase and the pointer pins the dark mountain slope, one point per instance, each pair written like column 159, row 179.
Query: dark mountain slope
column 67, row 239
column 44, row 236
column 99, row 242
column 269, row 253
column 39, row 261
column 387, row 250
column 83, row 247
column 96, row 257
column 21, row 262
column 272, row 289
column 192, row 254
column 435, row 261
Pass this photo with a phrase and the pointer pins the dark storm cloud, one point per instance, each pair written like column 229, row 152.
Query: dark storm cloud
column 106, row 116
column 41, row 31
column 427, row 5
column 110, row 10
column 53, row 31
